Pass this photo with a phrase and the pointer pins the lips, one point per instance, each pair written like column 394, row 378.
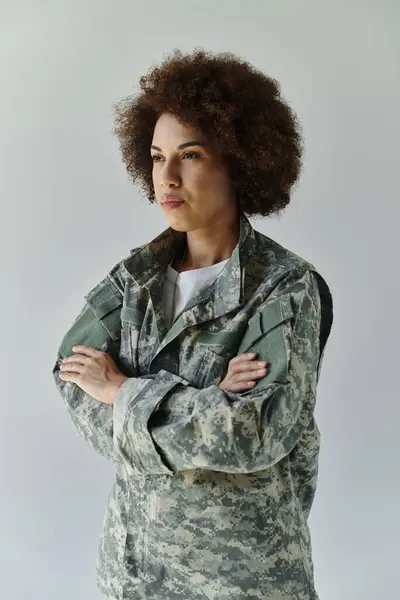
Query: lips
column 171, row 202
column 170, row 199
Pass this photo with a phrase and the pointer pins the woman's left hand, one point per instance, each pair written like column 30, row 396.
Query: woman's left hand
column 94, row 371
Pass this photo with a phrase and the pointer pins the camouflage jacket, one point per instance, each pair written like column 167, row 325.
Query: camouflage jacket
column 212, row 489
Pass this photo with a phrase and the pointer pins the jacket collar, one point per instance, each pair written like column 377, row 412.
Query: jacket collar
column 154, row 257
column 147, row 266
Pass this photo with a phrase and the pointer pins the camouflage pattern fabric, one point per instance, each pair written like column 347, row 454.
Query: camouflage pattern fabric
column 212, row 489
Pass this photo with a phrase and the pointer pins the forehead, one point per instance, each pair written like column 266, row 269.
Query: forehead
column 169, row 130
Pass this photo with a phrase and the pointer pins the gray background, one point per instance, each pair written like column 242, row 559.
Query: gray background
column 69, row 213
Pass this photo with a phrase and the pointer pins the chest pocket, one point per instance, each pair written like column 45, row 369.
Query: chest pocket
column 269, row 334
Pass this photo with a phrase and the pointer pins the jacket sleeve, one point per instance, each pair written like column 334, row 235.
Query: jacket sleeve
column 98, row 324
column 166, row 425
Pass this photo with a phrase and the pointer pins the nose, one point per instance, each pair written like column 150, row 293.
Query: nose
column 170, row 176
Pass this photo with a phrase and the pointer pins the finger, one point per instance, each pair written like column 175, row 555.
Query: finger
column 73, row 378
column 249, row 376
column 245, row 379
column 241, row 386
column 249, row 367
column 243, row 358
column 86, row 350
column 72, row 367
column 81, row 359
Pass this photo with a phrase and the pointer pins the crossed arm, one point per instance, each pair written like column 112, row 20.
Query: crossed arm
column 161, row 424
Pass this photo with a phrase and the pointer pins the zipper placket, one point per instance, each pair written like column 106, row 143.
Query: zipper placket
column 201, row 301
column 189, row 306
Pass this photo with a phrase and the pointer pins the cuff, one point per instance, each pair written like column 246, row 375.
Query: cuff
column 133, row 405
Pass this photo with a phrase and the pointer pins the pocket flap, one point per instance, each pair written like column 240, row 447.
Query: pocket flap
column 132, row 316
column 104, row 299
column 275, row 312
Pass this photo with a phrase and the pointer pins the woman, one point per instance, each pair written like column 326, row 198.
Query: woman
column 194, row 363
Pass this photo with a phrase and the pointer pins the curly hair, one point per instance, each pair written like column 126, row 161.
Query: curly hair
column 239, row 111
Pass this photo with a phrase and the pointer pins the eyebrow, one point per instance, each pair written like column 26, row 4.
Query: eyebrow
column 181, row 146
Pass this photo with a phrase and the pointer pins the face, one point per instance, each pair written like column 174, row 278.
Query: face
column 191, row 183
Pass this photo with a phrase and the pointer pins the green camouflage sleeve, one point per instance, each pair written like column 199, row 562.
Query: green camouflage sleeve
column 165, row 425
column 97, row 325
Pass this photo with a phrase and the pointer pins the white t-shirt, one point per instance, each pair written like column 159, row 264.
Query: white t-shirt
column 187, row 285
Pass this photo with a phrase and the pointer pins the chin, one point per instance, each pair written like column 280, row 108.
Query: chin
column 180, row 225
column 180, row 222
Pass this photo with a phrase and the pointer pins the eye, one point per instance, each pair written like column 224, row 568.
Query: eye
column 191, row 154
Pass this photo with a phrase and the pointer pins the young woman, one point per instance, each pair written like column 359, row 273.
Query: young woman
column 194, row 363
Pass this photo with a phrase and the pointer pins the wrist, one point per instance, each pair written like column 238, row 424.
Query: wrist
column 116, row 386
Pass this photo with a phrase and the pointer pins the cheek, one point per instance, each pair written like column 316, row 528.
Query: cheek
column 215, row 186
column 204, row 179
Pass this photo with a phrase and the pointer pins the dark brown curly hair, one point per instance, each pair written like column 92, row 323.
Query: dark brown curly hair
column 239, row 111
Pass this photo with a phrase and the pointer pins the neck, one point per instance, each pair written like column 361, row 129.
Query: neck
column 206, row 247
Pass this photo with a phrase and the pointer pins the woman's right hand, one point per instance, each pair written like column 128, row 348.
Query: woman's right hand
column 242, row 372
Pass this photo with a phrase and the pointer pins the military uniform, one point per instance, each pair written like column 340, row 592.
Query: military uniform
column 212, row 489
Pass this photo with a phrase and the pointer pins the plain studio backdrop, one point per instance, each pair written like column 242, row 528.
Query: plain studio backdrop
column 69, row 213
